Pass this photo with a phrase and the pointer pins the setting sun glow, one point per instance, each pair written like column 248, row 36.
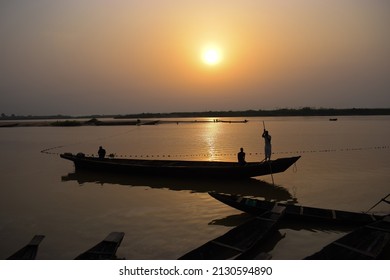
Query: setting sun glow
column 211, row 56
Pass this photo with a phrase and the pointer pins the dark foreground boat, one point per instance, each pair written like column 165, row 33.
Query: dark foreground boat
column 181, row 167
column 105, row 250
column 257, row 207
column 28, row 252
column 369, row 242
column 241, row 241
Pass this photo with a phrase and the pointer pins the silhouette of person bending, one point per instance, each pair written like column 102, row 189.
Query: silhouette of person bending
column 101, row 152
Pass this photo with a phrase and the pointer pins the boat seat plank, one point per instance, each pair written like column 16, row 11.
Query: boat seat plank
column 333, row 214
column 115, row 237
column 278, row 209
column 380, row 227
column 227, row 246
column 366, row 253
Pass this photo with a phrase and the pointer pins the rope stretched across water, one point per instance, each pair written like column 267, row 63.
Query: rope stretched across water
column 219, row 155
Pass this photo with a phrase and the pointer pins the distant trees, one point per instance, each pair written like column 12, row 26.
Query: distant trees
column 304, row 111
column 5, row 117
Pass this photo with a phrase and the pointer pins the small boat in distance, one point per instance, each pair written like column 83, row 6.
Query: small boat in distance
column 182, row 168
column 232, row 121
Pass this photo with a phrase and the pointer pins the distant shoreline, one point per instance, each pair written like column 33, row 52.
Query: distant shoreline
column 303, row 112
column 96, row 122
column 285, row 112
column 155, row 118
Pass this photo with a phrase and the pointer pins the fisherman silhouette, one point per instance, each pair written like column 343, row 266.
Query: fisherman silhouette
column 241, row 157
column 267, row 147
column 101, row 152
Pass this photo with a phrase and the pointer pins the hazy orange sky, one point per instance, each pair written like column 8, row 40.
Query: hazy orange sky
column 83, row 57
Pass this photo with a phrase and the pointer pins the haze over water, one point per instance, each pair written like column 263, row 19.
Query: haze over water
column 344, row 165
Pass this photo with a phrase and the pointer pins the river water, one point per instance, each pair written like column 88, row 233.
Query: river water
column 345, row 165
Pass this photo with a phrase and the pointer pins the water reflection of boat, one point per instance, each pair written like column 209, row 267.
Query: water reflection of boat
column 241, row 241
column 256, row 207
column 249, row 186
column 182, row 168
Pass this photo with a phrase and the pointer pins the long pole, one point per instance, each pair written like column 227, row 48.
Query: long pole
column 383, row 199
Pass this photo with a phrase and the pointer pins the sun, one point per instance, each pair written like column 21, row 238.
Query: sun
column 211, row 56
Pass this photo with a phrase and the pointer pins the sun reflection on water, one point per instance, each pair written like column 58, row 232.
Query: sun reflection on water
column 211, row 135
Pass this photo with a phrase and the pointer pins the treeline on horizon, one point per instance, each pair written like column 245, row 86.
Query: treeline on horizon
column 305, row 111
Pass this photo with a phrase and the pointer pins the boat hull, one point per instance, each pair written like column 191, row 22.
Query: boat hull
column 369, row 242
column 296, row 212
column 240, row 242
column 181, row 168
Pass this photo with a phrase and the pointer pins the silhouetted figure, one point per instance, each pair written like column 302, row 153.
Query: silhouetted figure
column 241, row 157
column 101, row 152
column 267, row 147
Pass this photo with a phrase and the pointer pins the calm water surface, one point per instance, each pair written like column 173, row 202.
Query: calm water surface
column 345, row 165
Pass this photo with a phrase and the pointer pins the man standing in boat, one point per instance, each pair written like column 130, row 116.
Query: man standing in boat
column 267, row 147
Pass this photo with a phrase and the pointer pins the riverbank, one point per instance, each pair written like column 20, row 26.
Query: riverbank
column 284, row 112
column 96, row 122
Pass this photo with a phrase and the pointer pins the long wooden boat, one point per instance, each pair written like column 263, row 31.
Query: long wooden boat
column 369, row 242
column 257, row 207
column 28, row 252
column 181, row 167
column 232, row 121
column 104, row 250
column 241, row 241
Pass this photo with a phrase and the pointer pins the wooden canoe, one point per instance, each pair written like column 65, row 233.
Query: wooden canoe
column 181, row 168
column 104, row 250
column 369, row 242
column 241, row 241
column 28, row 252
column 257, row 207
